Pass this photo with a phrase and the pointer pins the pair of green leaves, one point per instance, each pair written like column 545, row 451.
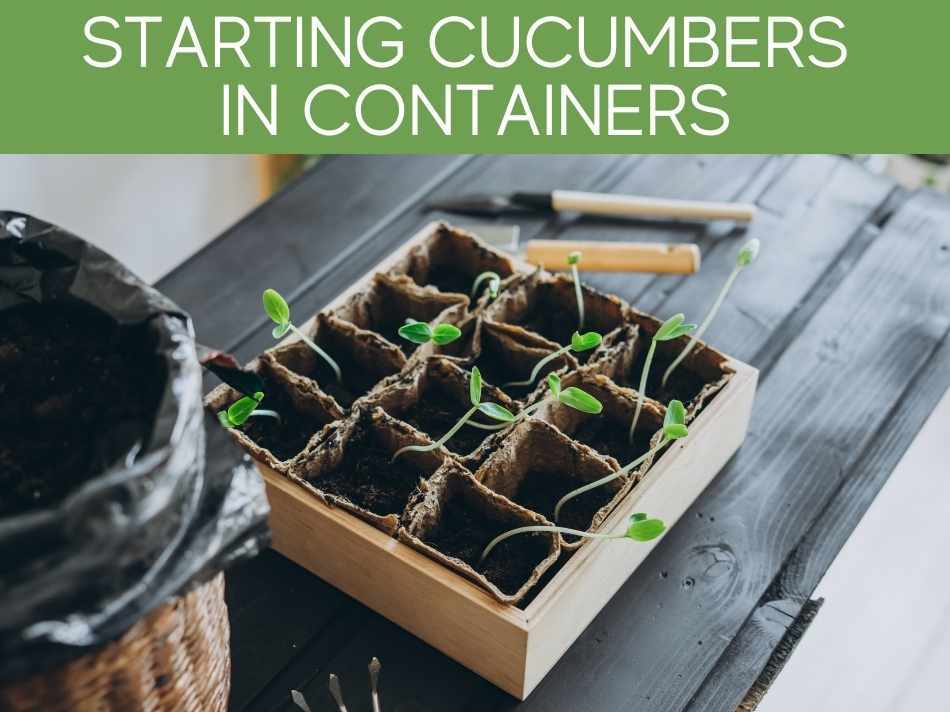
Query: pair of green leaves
column 640, row 528
column 585, row 342
column 240, row 411
column 279, row 312
column 419, row 332
column 673, row 328
column 748, row 253
column 573, row 397
column 492, row 410
column 674, row 422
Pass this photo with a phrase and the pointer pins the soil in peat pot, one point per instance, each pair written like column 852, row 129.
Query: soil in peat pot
column 288, row 436
column 541, row 491
column 608, row 437
column 367, row 477
column 464, row 533
column 683, row 384
column 495, row 373
column 437, row 412
column 357, row 381
column 77, row 391
column 448, row 279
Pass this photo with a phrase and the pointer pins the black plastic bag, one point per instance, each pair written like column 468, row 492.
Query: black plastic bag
column 154, row 524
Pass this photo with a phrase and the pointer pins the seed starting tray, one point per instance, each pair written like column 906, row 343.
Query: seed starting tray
column 404, row 538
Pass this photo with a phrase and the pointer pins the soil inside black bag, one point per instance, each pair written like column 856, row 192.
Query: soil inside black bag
column 288, row 436
column 77, row 391
column 437, row 412
column 541, row 490
column 367, row 477
column 463, row 533
column 609, row 437
column 683, row 384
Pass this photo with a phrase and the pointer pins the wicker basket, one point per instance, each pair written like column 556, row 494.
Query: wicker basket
column 174, row 659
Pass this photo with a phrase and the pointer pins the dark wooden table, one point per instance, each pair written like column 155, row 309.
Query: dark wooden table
column 846, row 314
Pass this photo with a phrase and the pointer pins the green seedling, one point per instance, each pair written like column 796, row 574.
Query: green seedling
column 494, row 284
column 672, row 328
column 492, row 410
column 279, row 312
column 639, row 528
column 572, row 397
column 243, row 409
column 573, row 260
column 746, row 257
column 418, row 332
column 579, row 343
column 674, row 428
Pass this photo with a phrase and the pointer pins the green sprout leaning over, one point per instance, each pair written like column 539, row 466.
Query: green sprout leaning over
column 672, row 328
column 239, row 411
column 279, row 312
column 639, row 528
column 746, row 257
column 492, row 410
column 579, row 343
column 674, row 428
column 494, row 284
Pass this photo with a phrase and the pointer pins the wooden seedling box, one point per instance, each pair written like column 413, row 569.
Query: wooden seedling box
column 513, row 648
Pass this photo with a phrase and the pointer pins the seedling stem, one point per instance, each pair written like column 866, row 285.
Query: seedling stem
column 279, row 312
column 674, row 428
column 494, row 283
column 746, row 256
column 670, row 329
column 639, row 528
column 573, row 260
column 579, row 343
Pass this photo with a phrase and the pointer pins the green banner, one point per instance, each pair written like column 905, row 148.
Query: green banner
column 289, row 76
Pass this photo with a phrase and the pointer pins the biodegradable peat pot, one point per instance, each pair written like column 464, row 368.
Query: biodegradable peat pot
column 423, row 579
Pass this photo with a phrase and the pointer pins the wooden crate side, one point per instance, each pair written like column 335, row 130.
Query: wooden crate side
column 416, row 593
column 589, row 580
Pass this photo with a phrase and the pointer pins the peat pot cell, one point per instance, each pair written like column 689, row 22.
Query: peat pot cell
column 78, row 391
column 701, row 375
column 450, row 260
column 352, row 467
column 388, row 301
column 304, row 410
column 433, row 397
column 455, row 518
column 364, row 358
column 506, row 353
column 537, row 464
column 609, row 431
column 547, row 305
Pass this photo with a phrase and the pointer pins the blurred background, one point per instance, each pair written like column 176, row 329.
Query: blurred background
column 152, row 212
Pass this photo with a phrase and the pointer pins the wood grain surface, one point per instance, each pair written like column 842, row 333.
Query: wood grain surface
column 847, row 314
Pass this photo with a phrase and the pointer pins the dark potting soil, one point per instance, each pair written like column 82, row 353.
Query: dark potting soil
column 77, row 391
column 446, row 278
column 608, row 437
column 357, row 381
column 541, row 491
column 682, row 385
column 464, row 533
column 437, row 412
column 494, row 372
column 288, row 436
column 367, row 477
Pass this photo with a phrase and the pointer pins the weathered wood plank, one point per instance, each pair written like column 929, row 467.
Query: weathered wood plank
column 750, row 650
column 826, row 399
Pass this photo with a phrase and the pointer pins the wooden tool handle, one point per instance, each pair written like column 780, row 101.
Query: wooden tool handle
column 615, row 256
column 638, row 206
